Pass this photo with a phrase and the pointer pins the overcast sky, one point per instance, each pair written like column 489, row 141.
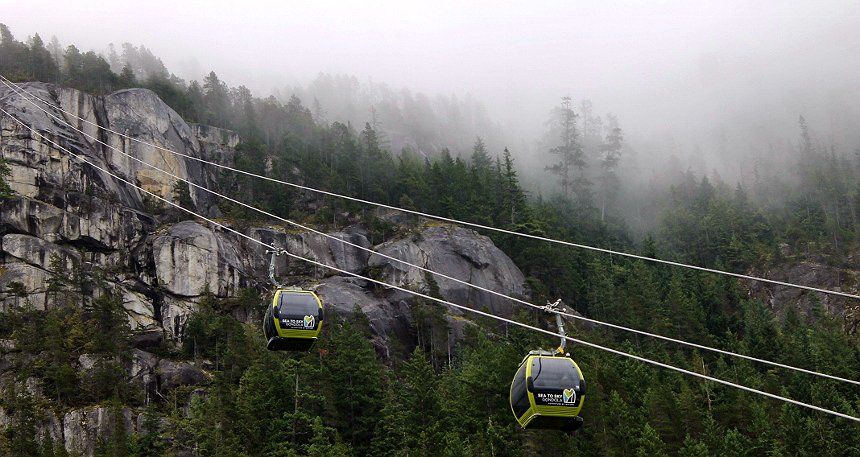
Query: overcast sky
column 685, row 67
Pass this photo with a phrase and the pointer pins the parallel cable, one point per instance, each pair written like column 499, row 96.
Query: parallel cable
column 455, row 221
column 442, row 275
column 584, row 343
column 118, row 178
column 445, row 302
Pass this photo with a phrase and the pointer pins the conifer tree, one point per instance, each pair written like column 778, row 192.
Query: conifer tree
column 571, row 167
column 609, row 159
column 5, row 172
column 42, row 66
column 512, row 194
column 354, row 389
column 480, row 157
column 216, row 100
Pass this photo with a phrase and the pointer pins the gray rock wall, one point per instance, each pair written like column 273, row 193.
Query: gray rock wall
column 190, row 258
column 459, row 253
column 825, row 276
column 82, row 428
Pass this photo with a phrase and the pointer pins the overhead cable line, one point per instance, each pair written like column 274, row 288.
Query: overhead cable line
column 455, row 221
column 441, row 301
column 442, row 275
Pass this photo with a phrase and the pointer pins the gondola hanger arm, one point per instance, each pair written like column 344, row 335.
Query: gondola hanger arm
column 275, row 253
column 554, row 308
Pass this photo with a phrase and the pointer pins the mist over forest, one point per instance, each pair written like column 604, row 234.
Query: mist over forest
column 721, row 135
column 712, row 87
column 729, row 112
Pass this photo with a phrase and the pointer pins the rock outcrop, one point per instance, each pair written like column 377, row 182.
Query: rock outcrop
column 459, row 253
column 190, row 258
column 813, row 271
column 83, row 428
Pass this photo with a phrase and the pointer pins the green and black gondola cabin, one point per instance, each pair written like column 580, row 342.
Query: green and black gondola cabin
column 547, row 392
column 293, row 320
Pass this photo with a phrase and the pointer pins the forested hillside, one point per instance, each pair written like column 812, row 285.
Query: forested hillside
column 349, row 397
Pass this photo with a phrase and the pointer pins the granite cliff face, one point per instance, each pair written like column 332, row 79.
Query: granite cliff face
column 67, row 214
column 818, row 271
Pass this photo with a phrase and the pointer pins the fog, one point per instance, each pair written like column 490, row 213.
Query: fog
column 713, row 79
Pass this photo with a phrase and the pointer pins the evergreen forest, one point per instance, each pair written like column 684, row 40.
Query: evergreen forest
column 425, row 398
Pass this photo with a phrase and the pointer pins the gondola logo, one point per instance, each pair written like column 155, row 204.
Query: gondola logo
column 569, row 396
column 309, row 322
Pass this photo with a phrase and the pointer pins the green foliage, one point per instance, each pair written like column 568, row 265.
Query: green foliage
column 325, row 442
column 649, row 443
column 212, row 333
column 693, row 448
column 72, row 329
column 22, row 62
column 19, row 438
column 182, row 195
column 170, row 90
column 208, row 429
column 355, row 389
column 410, row 420
column 5, row 172
column 710, row 227
column 263, row 399
column 572, row 164
column 148, row 442
column 340, row 399
column 109, row 323
column 474, row 399
column 451, row 398
column 380, row 230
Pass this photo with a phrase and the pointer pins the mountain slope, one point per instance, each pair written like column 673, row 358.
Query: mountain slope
column 74, row 238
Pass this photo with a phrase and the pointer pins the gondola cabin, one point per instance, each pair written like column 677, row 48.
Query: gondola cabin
column 293, row 320
column 547, row 392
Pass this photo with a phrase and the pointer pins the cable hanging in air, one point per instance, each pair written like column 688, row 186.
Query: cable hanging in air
column 450, row 220
column 441, row 301
column 426, row 270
